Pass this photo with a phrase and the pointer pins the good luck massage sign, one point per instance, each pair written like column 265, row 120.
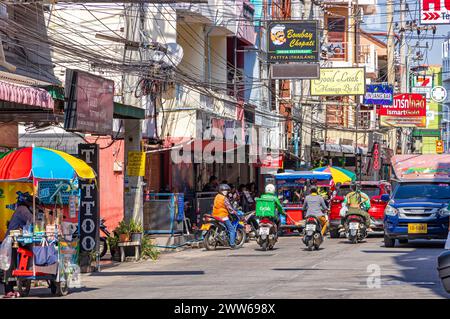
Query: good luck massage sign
column 293, row 41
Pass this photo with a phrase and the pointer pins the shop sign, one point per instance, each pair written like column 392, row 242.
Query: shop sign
column 379, row 94
column 89, row 219
column 136, row 163
column 408, row 110
column 272, row 162
column 89, row 103
column 293, row 41
column 376, row 157
column 434, row 11
column 438, row 94
column 439, row 146
column 339, row 82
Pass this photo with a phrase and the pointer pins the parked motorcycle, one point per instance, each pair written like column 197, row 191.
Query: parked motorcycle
column 267, row 234
column 313, row 233
column 355, row 228
column 215, row 233
column 102, row 245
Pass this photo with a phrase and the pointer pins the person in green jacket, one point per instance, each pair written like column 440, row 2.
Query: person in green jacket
column 358, row 203
column 270, row 194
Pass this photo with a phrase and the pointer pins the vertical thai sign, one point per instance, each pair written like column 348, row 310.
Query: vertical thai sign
column 89, row 219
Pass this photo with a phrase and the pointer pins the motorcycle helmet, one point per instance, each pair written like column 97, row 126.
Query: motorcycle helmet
column 224, row 189
column 270, row 189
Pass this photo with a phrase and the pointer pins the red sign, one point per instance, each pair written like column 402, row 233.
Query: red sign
column 405, row 105
column 434, row 11
column 376, row 157
column 90, row 103
column 272, row 162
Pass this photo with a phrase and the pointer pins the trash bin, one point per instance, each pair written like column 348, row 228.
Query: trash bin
column 444, row 269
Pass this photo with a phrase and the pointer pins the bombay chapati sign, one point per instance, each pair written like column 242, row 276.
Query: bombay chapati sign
column 339, row 82
column 293, row 41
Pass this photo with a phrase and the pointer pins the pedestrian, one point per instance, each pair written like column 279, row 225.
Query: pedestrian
column 212, row 185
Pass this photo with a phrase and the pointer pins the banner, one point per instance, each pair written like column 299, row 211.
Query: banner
column 408, row 110
column 339, row 82
column 8, row 200
column 293, row 41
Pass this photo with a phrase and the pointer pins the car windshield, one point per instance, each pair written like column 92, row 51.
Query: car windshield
column 368, row 190
column 423, row 190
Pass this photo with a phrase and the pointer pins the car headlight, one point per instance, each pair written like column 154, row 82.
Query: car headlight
column 390, row 211
column 444, row 212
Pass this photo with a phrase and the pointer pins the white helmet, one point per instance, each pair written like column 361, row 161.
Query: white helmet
column 270, row 189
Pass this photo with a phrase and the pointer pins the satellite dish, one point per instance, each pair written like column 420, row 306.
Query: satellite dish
column 174, row 55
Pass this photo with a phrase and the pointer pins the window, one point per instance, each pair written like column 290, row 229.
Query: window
column 337, row 46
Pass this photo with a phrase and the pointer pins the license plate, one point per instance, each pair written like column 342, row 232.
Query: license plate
column 417, row 228
column 311, row 227
column 205, row 227
column 264, row 231
column 353, row 226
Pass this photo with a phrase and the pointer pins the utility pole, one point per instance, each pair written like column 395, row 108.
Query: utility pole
column 391, row 56
column 358, row 157
column 404, row 73
column 133, row 185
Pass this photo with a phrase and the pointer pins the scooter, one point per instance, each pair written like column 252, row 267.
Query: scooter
column 215, row 233
column 267, row 234
column 251, row 225
column 355, row 228
column 313, row 233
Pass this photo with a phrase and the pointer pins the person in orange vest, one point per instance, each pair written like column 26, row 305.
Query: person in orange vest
column 222, row 209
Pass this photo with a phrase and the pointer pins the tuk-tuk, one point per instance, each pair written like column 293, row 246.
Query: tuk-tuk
column 291, row 190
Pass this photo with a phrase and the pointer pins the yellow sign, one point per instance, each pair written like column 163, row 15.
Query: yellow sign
column 339, row 82
column 8, row 199
column 439, row 147
column 136, row 163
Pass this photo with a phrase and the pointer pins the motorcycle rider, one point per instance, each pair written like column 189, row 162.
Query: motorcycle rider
column 358, row 203
column 222, row 209
column 269, row 194
column 315, row 205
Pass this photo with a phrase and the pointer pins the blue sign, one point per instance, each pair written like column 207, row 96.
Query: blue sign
column 379, row 94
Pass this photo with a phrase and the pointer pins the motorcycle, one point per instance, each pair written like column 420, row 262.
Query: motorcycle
column 355, row 228
column 102, row 246
column 215, row 233
column 267, row 234
column 313, row 233
column 251, row 225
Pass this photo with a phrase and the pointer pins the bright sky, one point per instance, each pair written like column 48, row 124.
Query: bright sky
column 378, row 22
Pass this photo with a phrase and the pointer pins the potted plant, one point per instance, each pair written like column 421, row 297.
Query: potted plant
column 148, row 249
column 136, row 230
column 123, row 230
column 113, row 242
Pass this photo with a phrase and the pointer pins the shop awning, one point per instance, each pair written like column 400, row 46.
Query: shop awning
column 338, row 148
column 123, row 111
column 14, row 96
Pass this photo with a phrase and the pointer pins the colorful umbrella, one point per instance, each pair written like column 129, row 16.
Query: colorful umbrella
column 339, row 175
column 43, row 163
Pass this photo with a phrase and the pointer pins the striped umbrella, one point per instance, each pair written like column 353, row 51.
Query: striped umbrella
column 340, row 175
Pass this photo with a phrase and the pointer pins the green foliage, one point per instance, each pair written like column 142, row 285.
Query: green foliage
column 135, row 227
column 148, row 250
column 128, row 228
column 112, row 241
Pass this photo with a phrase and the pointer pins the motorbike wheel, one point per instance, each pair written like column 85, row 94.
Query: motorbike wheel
column 209, row 242
column 59, row 289
column 241, row 236
column 334, row 233
column 310, row 244
column 265, row 245
column 354, row 239
column 102, row 247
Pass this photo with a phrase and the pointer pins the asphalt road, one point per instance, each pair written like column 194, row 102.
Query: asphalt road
column 338, row 270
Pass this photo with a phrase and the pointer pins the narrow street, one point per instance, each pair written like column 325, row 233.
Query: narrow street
column 338, row 270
